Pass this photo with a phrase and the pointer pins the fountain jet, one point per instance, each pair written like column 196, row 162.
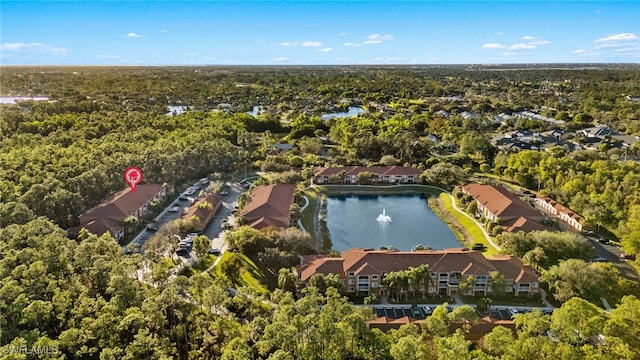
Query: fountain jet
column 383, row 217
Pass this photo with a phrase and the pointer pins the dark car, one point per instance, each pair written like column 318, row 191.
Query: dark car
column 602, row 240
column 152, row 227
column 214, row 251
column 478, row 247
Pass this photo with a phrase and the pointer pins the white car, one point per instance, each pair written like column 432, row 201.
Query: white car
column 174, row 209
column 514, row 311
column 427, row 310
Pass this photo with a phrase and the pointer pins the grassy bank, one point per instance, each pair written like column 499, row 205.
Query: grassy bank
column 250, row 275
column 473, row 230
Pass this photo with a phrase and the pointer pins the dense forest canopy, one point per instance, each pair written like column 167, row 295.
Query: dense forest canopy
column 86, row 298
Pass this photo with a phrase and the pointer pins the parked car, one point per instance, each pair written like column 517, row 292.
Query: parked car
column 183, row 252
column 514, row 311
column 478, row 246
column 152, row 227
column 626, row 256
column 214, row 251
column 600, row 259
column 224, row 192
column 427, row 310
column 174, row 209
column 602, row 240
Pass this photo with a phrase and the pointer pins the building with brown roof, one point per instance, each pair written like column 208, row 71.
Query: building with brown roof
column 362, row 270
column 108, row 216
column 502, row 206
column 349, row 174
column 200, row 214
column 564, row 213
column 269, row 206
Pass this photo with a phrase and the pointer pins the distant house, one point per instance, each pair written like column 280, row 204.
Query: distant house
column 202, row 212
column 109, row 215
column 564, row 213
column 598, row 131
column 442, row 113
column 269, row 206
column 349, row 174
column 500, row 205
column 363, row 270
column 281, row 148
column 468, row 115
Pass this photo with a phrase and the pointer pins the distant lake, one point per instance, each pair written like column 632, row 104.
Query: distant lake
column 13, row 99
column 353, row 111
column 352, row 223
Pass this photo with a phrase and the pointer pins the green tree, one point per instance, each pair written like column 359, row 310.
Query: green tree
column 201, row 246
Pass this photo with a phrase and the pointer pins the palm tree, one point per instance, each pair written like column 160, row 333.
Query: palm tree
column 424, row 277
column 391, row 281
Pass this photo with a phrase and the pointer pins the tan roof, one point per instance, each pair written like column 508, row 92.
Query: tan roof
column 269, row 201
column 263, row 222
column 513, row 268
column 522, row 224
column 122, row 204
column 355, row 170
column 500, row 201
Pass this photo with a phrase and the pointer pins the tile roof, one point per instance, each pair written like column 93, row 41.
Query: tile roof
column 501, row 202
column 101, row 226
column 513, row 268
column 368, row 261
column 204, row 214
column 122, row 204
column 522, row 224
column 269, row 205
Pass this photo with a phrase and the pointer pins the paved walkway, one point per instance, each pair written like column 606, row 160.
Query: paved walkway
column 484, row 232
column 605, row 303
column 543, row 297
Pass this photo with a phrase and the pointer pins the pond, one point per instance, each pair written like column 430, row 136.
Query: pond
column 353, row 111
column 372, row 221
column 15, row 99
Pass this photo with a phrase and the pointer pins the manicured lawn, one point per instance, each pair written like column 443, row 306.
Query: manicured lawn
column 309, row 212
column 250, row 275
column 474, row 231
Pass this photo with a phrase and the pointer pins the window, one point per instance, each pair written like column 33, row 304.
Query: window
column 350, row 289
column 374, row 277
column 350, row 274
column 535, row 284
column 351, row 281
column 374, row 284
column 509, row 281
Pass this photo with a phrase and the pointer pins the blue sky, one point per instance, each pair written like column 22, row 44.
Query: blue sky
column 318, row 32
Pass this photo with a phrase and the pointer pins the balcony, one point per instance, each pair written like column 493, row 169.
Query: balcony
column 454, row 280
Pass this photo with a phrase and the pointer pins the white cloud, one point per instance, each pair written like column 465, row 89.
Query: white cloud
column 289, row 43
column 132, row 35
column 108, row 56
column 540, row 42
column 343, row 34
column 528, row 37
column 579, row 51
column 163, row 31
column 492, row 46
column 521, row 46
column 500, row 33
column 352, row 44
column 282, row 59
column 309, row 43
column 33, row 47
column 618, row 37
column 627, row 49
column 325, row 50
column 377, row 38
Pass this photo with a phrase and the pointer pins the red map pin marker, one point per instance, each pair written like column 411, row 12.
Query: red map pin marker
column 133, row 177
